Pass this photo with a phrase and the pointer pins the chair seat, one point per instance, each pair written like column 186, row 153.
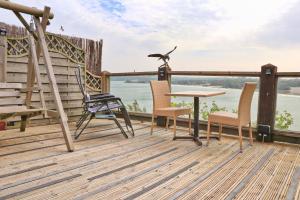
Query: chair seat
column 224, row 118
column 170, row 111
column 100, row 108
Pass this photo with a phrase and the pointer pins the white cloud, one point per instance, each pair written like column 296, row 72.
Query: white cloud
column 208, row 33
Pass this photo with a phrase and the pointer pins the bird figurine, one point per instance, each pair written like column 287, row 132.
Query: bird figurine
column 164, row 57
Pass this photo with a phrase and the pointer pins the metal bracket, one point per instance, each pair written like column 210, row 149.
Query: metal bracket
column 3, row 32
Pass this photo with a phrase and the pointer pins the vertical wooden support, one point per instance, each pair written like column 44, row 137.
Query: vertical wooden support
column 105, row 82
column 163, row 74
column 99, row 67
column 267, row 102
column 53, row 85
column 3, row 49
column 30, row 81
column 30, row 67
column 34, row 60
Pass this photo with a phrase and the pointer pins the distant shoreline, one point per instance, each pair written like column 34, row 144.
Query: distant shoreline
column 287, row 92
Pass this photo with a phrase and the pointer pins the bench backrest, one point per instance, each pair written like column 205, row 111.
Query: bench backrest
column 10, row 95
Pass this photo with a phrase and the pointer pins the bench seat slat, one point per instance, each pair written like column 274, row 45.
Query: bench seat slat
column 10, row 85
column 10, row 111
column 5, row 94
column 11, row 101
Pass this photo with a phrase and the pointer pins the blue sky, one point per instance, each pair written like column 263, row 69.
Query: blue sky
column 210, row 34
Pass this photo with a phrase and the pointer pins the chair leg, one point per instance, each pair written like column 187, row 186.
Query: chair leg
column 76, row 136
column 190, row 124
column 220, row 131
column 241, row 139
column 82, row 119
column 120, row 127
column 250, row 134
column 152, row 124
column 208, row 131
column 174, row 130
column 167, row 123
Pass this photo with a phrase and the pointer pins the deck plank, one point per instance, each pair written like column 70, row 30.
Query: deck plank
column 105, row 165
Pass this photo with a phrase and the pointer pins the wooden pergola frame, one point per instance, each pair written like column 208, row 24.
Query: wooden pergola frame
column 38, row 45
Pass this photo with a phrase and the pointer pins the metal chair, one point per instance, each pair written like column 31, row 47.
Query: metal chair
column 100, row 106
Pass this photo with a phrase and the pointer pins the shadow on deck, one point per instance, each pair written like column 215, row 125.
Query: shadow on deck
column 35, row 165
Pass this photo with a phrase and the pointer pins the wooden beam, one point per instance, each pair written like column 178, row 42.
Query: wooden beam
column 288, row 74
column 36, row 68
column 45, row 17
column 3, row 59
column 53, row 85
column 52, row 113
column 215, row 73
column 30, row 80
column 105, row 82
column 149, row 73
column 30, row 71
column 23, row 9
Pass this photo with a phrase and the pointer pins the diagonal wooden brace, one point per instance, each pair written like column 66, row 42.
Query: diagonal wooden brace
column 53, row 85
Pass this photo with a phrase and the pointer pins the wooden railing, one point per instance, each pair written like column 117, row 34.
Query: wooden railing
column 268, row 78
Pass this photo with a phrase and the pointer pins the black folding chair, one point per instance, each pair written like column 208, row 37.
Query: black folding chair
column 100, row 106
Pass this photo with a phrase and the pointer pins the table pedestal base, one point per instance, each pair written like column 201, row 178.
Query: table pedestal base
column 197, row 140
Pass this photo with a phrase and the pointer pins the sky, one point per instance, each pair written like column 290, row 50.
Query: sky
column 212, row 35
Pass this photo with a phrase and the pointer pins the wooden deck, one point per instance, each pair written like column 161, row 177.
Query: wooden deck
column 35, row 165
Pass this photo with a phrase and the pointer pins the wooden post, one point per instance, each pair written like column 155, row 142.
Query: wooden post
column 267, row 103
column 53, row 85
column 30, row 68
column 163, row 74
column 36, row 68
column 100, row 47
column 105, row 82
column 3, row 49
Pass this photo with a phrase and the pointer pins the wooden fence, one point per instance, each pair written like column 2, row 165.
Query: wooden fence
column 92, row 48
column 66, row 53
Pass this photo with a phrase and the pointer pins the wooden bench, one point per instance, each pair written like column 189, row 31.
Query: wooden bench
column 12, row 105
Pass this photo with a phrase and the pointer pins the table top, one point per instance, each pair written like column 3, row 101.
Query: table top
column 195, row 93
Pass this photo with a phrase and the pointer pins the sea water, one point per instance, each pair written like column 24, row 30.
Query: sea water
column 129, row 92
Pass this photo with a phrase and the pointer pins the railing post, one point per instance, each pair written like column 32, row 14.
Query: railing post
column 3, row 48
column 163, row 74
column 105, row 82
column 267, row 103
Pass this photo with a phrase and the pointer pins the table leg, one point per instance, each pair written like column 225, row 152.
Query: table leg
column 196, row 121
column 195, row 136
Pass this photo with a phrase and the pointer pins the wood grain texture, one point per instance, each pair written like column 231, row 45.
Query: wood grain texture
column 3, row 59
column 23, row 9
column 106, row 166
column 53, row 85
column 63, row 64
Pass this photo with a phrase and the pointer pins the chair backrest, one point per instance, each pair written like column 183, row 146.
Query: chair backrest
column 10, row 95
column 244, row 110
column 85, row 94
column 159, row 89
column 79, row 80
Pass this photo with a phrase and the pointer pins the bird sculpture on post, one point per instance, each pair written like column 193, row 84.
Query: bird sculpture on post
column 164, row 57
